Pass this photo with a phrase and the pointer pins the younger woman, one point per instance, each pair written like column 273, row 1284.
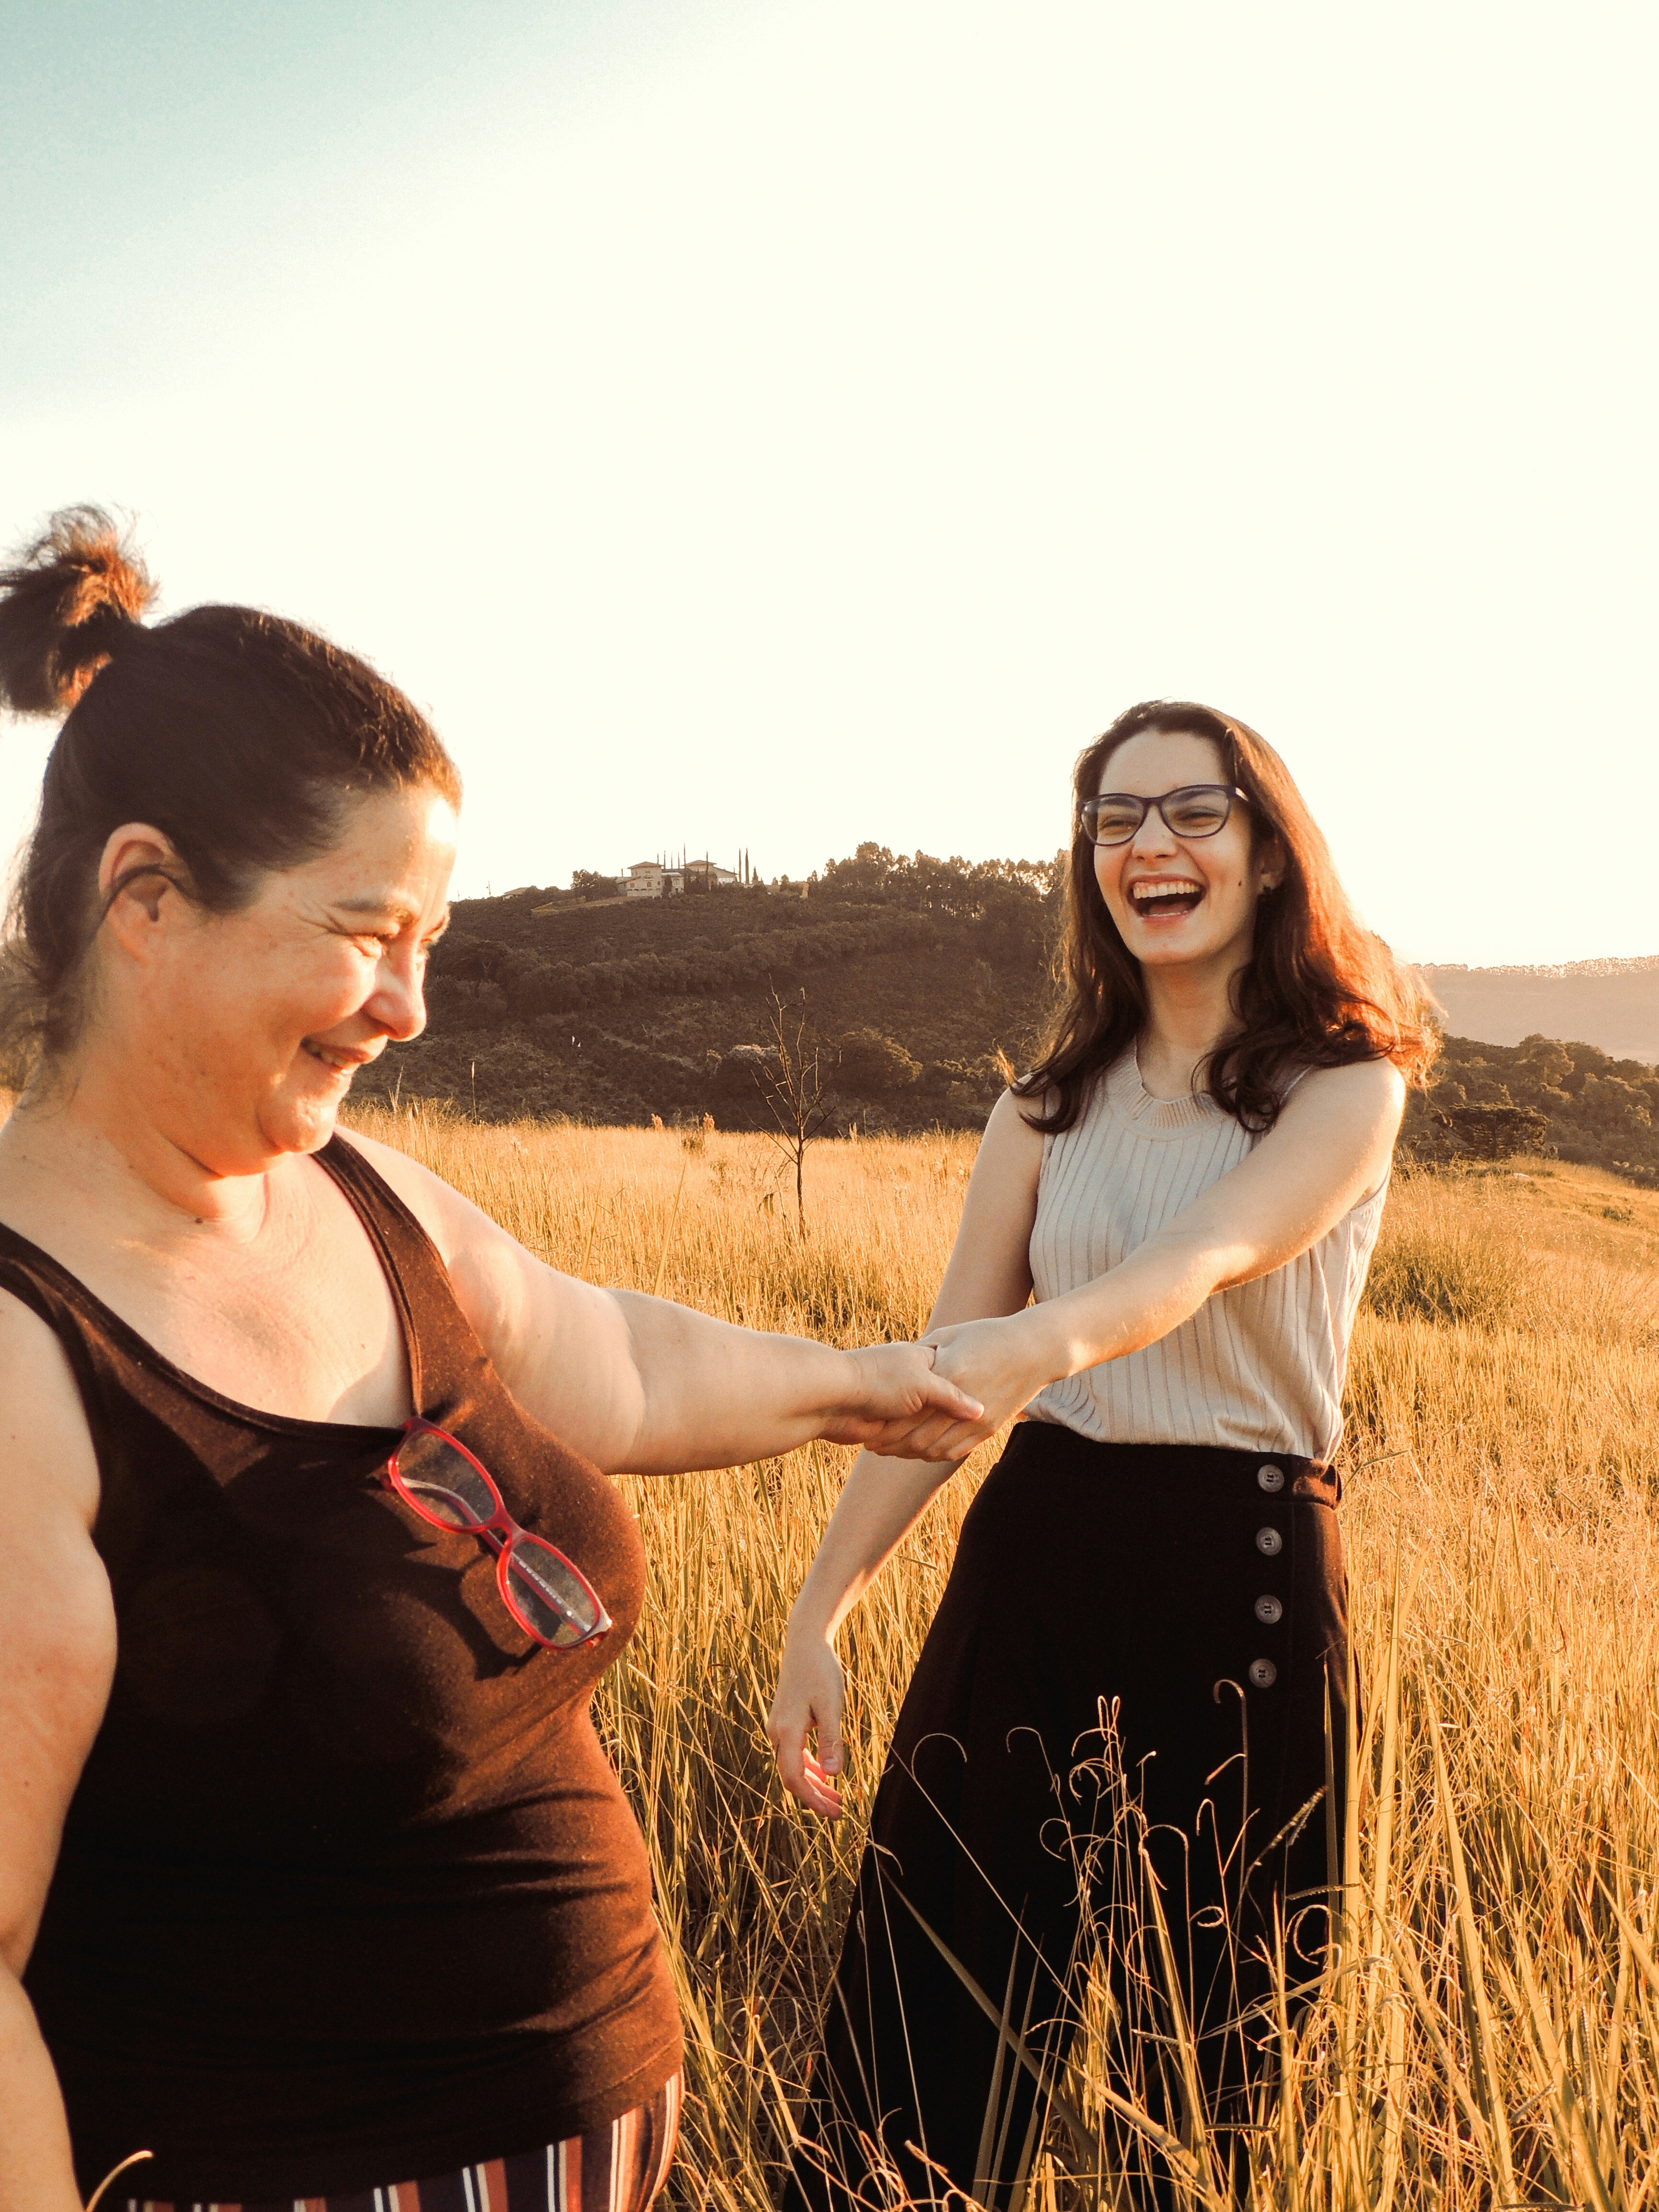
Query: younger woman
column 1190, row 1182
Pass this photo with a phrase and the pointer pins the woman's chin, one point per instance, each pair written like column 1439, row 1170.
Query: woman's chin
column 1166, row 949
column 301, row 1118
column 1176, row 945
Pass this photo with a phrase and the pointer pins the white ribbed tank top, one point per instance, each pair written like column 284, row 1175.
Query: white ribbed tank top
column 1259, row 1368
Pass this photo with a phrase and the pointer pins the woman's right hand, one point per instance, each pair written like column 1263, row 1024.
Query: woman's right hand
column 810, row 1699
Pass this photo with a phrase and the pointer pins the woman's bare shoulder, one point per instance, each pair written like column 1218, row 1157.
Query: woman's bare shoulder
column 1363, row 1091
column 1009, row 1133
column 454, row 1223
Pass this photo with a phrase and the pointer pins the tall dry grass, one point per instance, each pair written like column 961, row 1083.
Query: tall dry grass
column 1488, row 2034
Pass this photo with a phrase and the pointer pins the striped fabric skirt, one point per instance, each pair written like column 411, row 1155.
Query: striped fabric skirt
column 619, row 2168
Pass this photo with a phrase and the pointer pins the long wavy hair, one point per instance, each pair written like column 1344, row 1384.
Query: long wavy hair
column 1319, row 989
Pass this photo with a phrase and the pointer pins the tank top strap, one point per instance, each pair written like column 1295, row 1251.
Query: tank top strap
column 447, row 1364
column 60, row 1299
column 449, row 1371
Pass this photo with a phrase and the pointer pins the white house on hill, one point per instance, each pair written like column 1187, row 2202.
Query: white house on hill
column 651, row 879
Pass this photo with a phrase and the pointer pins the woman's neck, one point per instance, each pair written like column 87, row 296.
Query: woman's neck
column 74, row 1134
column 1189, row 1011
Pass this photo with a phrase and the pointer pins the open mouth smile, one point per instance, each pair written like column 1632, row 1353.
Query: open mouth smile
column 336, row 1061
column 1165, row 898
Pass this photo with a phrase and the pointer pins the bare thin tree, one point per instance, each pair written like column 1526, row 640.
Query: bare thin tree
column 790, row 1082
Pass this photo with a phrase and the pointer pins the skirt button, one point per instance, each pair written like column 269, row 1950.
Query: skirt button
column 1269, row 1542
column 1269, row 1609
column 1271, row 1478
column 1263, row 1674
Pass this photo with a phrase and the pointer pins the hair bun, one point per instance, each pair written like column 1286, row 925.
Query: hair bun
column 68, row 601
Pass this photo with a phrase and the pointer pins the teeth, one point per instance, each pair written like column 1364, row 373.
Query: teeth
column 333, row 1060
column 1162, row 887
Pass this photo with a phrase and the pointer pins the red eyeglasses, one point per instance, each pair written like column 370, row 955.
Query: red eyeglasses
column 549, row 1595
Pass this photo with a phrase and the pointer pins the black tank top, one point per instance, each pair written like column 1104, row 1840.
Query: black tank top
column 349, row 1891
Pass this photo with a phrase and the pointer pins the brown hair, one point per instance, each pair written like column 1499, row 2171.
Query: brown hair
column 1319, row 990
column 239, row 735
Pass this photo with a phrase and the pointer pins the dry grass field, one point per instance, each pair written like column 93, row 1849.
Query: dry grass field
column 1489, row 2034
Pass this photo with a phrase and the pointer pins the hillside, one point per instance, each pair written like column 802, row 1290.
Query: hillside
column 917, row 974
column 613, row 1010
column 1613, row 1004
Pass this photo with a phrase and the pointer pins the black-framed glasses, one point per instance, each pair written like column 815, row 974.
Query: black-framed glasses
column 1196, row 810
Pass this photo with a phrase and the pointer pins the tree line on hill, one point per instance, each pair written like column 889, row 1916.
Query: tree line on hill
column 924, row 980
column 522, row 984
column 1570, row 1101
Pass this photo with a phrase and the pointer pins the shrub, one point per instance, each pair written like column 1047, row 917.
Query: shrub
column 743, row 1068
column 1448, row 1274
column 1493, row 1131
column 870, row 1061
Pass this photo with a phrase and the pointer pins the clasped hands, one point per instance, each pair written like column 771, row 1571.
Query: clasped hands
column 936, row 1400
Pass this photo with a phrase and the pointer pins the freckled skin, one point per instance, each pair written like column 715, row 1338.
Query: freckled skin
column 242, row 1040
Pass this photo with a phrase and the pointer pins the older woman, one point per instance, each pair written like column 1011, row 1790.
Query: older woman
column 322, row 1879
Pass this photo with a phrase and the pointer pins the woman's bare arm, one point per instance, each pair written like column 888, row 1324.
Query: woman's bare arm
column 1330, row 1147
column 989, row 1273
column 57, row 1632
column 644, row 1385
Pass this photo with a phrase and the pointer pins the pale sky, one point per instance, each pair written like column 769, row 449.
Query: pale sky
column 783, row 425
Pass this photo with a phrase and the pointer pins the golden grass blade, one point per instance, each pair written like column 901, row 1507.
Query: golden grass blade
column 1429, row 2020
column 1644, row 2190
column 587, row 1241
column 668, row 1234
column 989, row 2157
column 1632, row 1936
column 133, row 2158
column 1393, row 2112
column 1194, row 2124
column 1383, row 1849
column 1487, row 2082
column 1569, row 2110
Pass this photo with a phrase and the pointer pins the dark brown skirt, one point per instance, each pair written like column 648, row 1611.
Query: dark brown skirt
column 1138, row 1645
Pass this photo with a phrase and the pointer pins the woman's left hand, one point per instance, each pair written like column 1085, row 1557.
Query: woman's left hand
column 999, row 1361
column 898, row 1399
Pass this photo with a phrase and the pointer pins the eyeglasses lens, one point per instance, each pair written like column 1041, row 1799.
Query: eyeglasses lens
column 1197, row 813
column 554, row 1599
column 444, row 1484
column 1111, row 821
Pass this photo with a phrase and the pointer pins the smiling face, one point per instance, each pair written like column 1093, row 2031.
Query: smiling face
column 1180, row 901
column 240, row 1033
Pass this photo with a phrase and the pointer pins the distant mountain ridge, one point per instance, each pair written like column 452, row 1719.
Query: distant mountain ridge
column 1608, row 965
column 1611, row 1004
